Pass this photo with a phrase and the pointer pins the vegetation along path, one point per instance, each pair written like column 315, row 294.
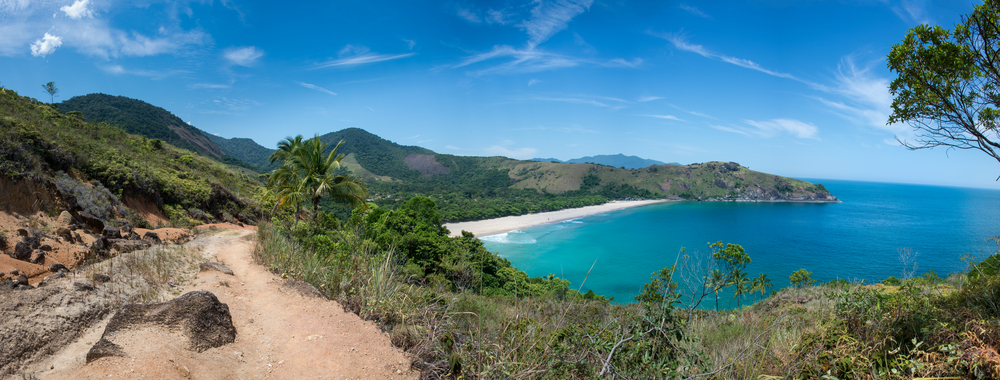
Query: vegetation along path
column 281, row 333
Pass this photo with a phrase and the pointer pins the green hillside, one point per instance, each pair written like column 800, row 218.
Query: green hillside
column 245, row 150
column 102, row 169
column 468, row 187
column 140, row 118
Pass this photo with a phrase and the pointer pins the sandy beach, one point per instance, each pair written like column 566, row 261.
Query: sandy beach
column 510, row 223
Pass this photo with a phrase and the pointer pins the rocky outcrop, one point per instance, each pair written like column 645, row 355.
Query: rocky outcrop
column 198, row 316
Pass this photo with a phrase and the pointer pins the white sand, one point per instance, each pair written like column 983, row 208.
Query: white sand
column 510, row 223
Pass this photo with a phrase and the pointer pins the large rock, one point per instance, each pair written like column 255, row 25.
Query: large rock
column 92, row 223
column 65, row 218
column 198, row 316
column 22, row 251
column 111, row 233
column 150, row 235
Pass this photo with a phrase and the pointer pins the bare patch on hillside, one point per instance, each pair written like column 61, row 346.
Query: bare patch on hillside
column 146, row 208
column 197, row 140
column 425, row 164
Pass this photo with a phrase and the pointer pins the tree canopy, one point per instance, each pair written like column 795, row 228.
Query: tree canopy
column 948, row 84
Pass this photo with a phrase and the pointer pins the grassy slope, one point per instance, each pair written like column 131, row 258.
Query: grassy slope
column 37, row 142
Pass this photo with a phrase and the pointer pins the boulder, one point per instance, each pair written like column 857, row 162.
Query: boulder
column 45, row 247
column 22, row 251
column 150, row 235
column 65, row 218
column 21, row 280
column 37, row 257
column 22, row 232
column 32, row 241
column 111, row 233
column 101, row 278
column 92, row 223
column 198, row 316
column 204, row 267
column 7, row 284
column 57, row 268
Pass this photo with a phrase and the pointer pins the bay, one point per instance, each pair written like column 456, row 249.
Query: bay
column 857, row 239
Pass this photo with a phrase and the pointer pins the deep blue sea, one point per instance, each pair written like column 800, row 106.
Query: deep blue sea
column 856, row 240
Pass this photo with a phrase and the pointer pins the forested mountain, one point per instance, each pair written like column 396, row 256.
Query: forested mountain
column 245, row 150
column 468, row 187
column 616, row 160
column 140, row 118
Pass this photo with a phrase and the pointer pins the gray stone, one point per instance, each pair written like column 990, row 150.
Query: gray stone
column 100, row 278
column 65, row 218
column 57, row 267
column 150, row 235
column 22, row 252
column 45, row 247
column 111, row 233
column 22, row 232
column 82, row 286
column 205, row 267
column 21, row 280
column 92, row 223
column 37, row 257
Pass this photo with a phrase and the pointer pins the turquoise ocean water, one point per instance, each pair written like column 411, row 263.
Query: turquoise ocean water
column 856, row 240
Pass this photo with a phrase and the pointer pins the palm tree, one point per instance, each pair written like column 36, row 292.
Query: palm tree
column 717, row 283
column 742, row 284
column 306, row 175
column 764, row 284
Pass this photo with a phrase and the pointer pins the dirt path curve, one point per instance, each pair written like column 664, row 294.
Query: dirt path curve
column 279, row 335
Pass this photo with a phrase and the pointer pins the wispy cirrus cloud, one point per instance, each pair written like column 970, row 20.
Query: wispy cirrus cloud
column 694, row 11
column 551, row 17
column 912, row 11
column 864, row 98
column 774, row 127
column 649, row 98
column 315, row 87
column 695, row 113
column 152, row 74
column 680, row 42
column 245, row 56
column 352, row 55
column 211, row 86
column 665, row 117
column 599, row 101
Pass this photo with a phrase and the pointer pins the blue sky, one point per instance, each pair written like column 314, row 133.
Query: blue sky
column 796, row 88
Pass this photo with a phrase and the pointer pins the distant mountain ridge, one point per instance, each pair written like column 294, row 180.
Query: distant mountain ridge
column 140, row 118
column 617, row 160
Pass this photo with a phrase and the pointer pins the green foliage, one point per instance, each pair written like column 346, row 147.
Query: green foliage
column 38, row 142
column 305, row 175
column 52, row 90
column 948, row 83
column 801, row 278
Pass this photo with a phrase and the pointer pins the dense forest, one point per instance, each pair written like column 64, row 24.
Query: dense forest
column 140, row 118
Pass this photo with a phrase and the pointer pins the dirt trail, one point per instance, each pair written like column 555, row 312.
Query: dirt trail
column 279, row 335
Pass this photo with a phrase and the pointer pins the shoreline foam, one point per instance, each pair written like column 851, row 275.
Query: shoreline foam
column 510, row 223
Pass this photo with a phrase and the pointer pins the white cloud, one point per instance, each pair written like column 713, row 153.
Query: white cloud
column 912, row 12
column 317, row 88
column 497, row 17
column 244, row 56
column 45, row 45
column 623, row 63
column 592, row 102
column 521, row 153
column 680, row 41
column 533, row 82
column 793, row 127
column 410, row 43
column 352, row 55
column 649, row 98
column 551, row 17
column 666, row 117
column 523, row 60
column 78, row 10
column 213, row 86
column 730, row 129
column 469, row 15
column 152, row 74
column 694, row 10
column 699, row 114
